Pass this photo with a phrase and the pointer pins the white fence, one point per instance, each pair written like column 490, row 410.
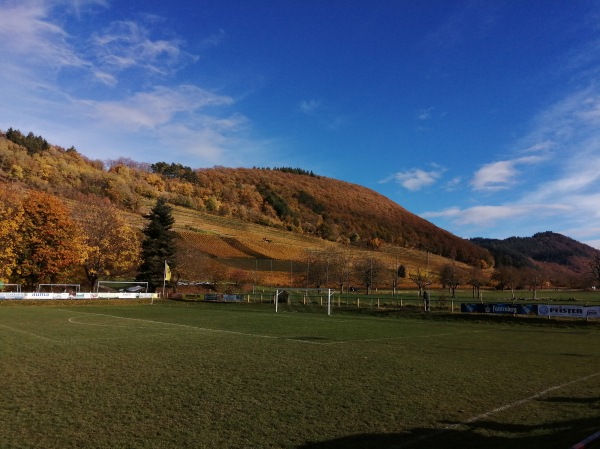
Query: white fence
column 115, row 295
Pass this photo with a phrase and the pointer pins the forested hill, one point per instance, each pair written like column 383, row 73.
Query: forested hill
column 286, row 198
column 542, row 248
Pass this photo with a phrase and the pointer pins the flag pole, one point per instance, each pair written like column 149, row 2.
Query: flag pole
column 164, row 278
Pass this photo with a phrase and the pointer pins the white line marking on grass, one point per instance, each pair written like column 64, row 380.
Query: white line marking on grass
column 187, row 326
column 523, row 401
column 28, row 333
column 402, row 337
column 299, row 340
column 75, row 320
column 499, row 409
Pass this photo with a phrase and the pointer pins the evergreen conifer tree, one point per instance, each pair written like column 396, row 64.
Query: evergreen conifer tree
column 158, row 245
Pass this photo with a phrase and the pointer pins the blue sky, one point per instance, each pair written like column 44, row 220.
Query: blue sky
column 480, row 116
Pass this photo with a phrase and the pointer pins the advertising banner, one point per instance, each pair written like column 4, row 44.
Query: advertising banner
column 12, row 295
column 222, row 297
column 569, row 311
column 505, row 308
column 549, row 310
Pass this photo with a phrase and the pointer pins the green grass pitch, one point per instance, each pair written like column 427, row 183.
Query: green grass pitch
column 196, row 375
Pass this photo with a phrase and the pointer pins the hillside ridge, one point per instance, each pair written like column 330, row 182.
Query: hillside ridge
column 273, row 213
column 293, row 200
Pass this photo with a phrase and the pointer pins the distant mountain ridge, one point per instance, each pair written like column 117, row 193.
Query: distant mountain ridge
column 542, row 249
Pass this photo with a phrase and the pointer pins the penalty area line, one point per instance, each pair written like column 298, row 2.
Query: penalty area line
column 187, row 326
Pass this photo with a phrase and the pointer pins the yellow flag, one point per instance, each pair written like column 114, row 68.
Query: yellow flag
column 167, row 272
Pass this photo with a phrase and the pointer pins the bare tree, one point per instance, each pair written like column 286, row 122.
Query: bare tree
column 317, row 268
column 369, row 271
column 422, row 279
column 341, row 269
column 477, row 280
column 450, row 277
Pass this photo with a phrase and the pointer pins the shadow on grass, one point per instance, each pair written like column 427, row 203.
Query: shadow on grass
column 482, row 434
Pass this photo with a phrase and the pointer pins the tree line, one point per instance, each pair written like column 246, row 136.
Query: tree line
column 45, row 242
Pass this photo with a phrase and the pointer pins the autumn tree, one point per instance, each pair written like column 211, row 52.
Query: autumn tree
column 11, row 216
column 158, row 245
column 113, row 247
column 51, row 246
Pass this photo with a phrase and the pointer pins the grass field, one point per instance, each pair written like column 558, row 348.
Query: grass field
column 197, row 375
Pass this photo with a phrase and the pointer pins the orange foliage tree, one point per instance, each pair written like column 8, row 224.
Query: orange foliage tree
column 112, row 246
column 51, row 245
column 11, row 216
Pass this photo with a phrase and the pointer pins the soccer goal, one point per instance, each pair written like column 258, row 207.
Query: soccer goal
column 10, row 287
column 121, row 286
column 306, row 296
column 58, row 288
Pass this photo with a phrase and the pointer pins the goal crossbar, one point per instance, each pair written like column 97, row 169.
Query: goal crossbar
column 75, row 287
column 123, row 285
column 280, row 290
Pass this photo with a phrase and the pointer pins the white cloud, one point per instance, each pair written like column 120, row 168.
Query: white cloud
column 95, row 88
column 488, row 215
column 309, row 107
column 416, row 178
column 155, row 108
column 127, row 44
column 454, row 183
column 425, row 114
column 322, row 113
column 28, row 36
column 558, row 173
column 501, row 175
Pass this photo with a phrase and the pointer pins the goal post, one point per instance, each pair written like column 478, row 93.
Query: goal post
column 66, row 288
column 305, row 291
column 122, row 286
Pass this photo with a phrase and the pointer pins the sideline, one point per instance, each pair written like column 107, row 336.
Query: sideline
column 405, row 337
column 29, row 333
column 497, row 410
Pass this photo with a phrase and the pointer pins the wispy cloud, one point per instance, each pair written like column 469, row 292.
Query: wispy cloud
column 309, row 107
column 27, row 33
column 425, row 114
column 416, row 178
column 52, row 65
column 559, row 165
column 483, row 216
column 501, row 175
column 322, row 113
column 155, row 108
column 127, row 44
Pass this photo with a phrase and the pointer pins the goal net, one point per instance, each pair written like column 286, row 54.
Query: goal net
column 304, row 300
column 58, row 288
column 121, row 287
